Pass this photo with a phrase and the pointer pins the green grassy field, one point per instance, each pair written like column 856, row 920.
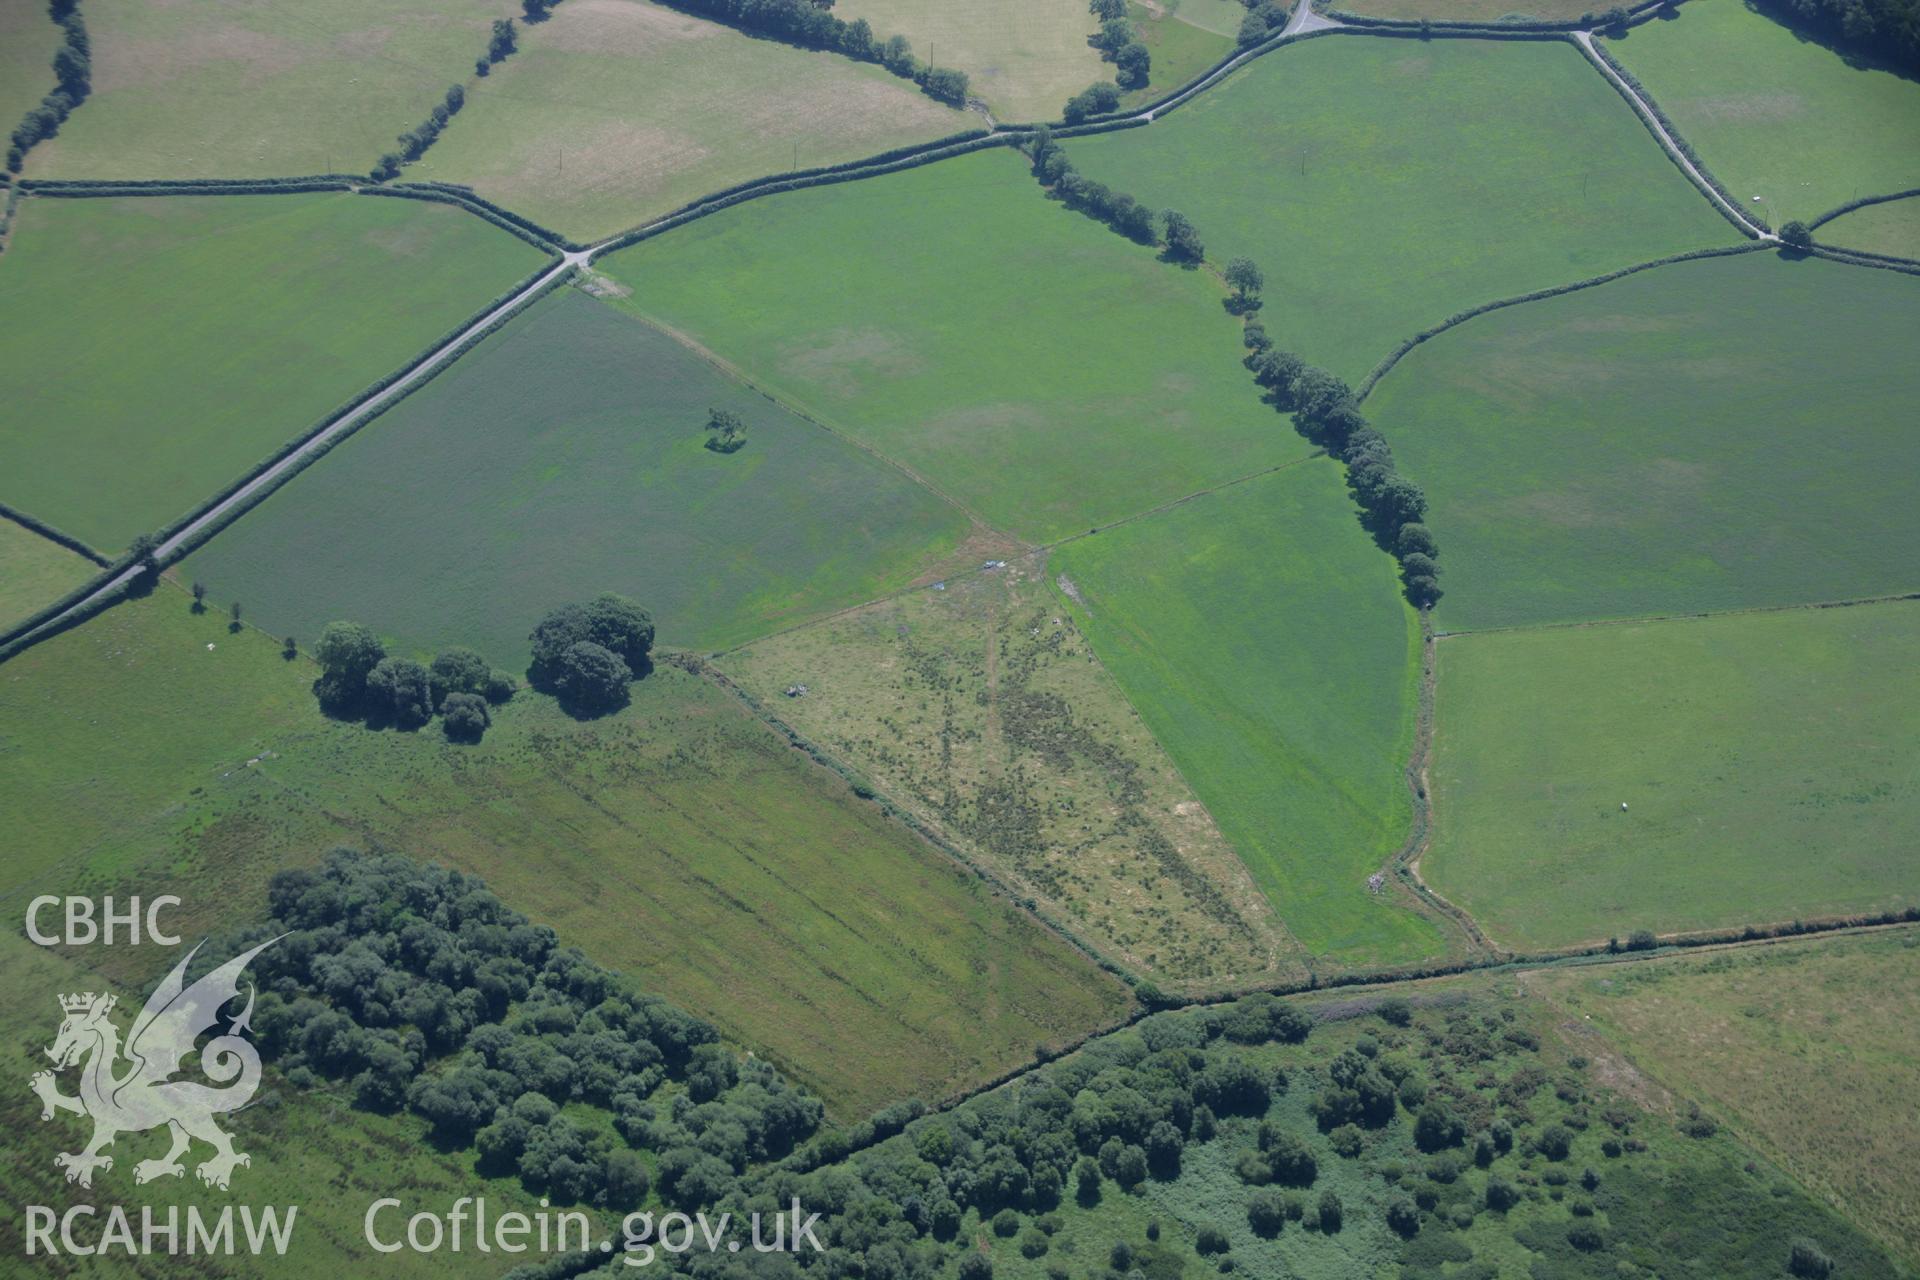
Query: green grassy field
column 1892, row 228
column 1695, row 437
column 1019, row 356
column 1765, row 759
column 35, row 571
column 27, row 41
column 1773, row 114
column 161, row 346
column 1181, row 48
column 1262, row 638
column 569, row 458
column 1023, row 58
column 680, row 842
column 979, row 706
column 614, row 112
column 260, row 88
column 1808, row 1051
column 1469, row 171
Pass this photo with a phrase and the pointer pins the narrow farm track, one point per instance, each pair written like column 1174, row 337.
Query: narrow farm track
column 1645, row 111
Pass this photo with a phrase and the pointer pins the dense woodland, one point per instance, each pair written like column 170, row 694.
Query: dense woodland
column 1418, row 1133
column 1888, row 29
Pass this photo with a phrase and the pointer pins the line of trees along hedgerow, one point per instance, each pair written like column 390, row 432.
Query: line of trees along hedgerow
column 1325, row 411
column 1323, row 406
column 585, row 655
column 73, row 81
column 1173, row 232
column 811, row 24
column 410, row 987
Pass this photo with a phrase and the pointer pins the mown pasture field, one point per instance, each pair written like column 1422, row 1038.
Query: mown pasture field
column 34, row 571
column 161, row 346
column 1765, row 760
column 260, row 88
column 1020, row 357
column 307, row 1149
column 1709, row 435
column 1774, row 114
column 679, row 841
column 1891, row 228
column 614, row 112
column 1263, row 640
column 1807, row 1051
column 1023, row 58
column 977, row 704
column 27, row 41
column 567, row 456
column 1468, row 171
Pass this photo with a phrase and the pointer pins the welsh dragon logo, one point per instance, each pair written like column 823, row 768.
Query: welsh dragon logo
column 144, row 1095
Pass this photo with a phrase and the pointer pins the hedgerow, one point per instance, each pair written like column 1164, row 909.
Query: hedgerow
column 35, row 524
column 1861, row 203
column 1461, row 317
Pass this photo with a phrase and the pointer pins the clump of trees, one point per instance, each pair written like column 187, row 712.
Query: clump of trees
column 1182, row 239
column 415, row 141
column 73, row 81
column 502, row 41
column 360, row 680
column 588, row 654
column 1796, row 235
column 1325, row 412
column 1264, row 18
column 1245, row 278
column 1097, row 99
column 726, row 433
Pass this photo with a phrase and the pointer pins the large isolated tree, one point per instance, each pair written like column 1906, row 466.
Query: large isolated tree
column 590, row 678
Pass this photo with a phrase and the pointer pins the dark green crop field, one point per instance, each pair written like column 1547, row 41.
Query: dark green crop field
column 565, row 457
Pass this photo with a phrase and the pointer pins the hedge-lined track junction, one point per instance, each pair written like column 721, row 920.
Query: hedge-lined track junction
column 1321, row 899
